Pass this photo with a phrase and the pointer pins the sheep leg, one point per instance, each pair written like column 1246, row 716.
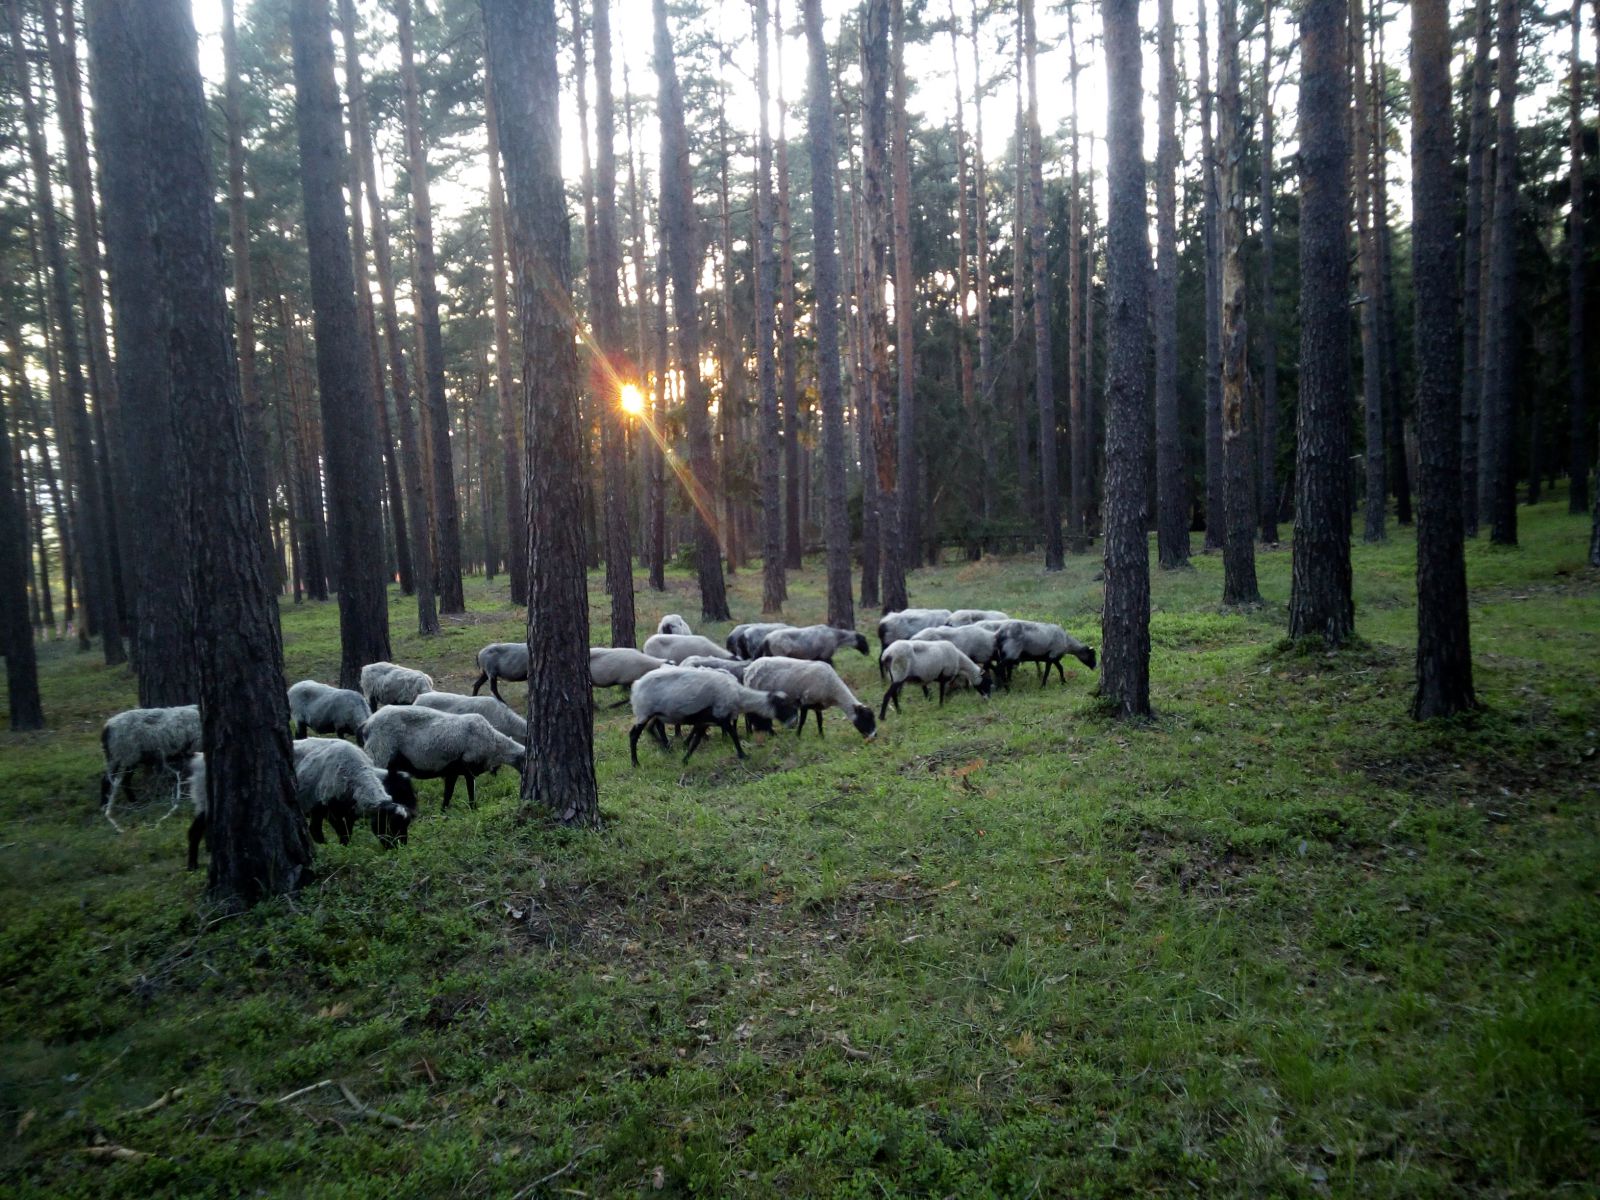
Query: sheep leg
column 658, row 730
column 110, row 798
column 941, row 693
column 317, row 835
column 633, row 740
column 449, row 788
column 695, row 739
column 732, row 728
column 483, row 678
column 891, row 694
column 818, row 711
column 494, row 686
column 623, row 703
column 343, row 825
column 197, row 830
column 472, row 791
column 1061, row 673
column 299, row 730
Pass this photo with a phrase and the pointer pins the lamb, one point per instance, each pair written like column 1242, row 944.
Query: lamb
column 977, row 642
column 154, row 737
column 323, row 709
column 619, row 667
column 971, row 616
column 503, row 718
column 929, row 662
column 675, row 647
column 745, row 639
column 501, row 660
column 898, row 626
column 690, row 695
column 818, row 643
column 673, row 623
column 437, row 745
column 814, row 686
column 387, row 683
column 1039, row 642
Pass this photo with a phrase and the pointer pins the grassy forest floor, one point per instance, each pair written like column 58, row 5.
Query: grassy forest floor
column 1281, row 941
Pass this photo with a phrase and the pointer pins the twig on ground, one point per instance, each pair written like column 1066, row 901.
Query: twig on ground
column 557, row 1173
column 161, row 1101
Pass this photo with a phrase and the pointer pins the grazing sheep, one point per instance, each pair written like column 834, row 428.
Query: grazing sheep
column 977, row 642
column 387, row 683
column 693, row 696
column 1040, row 642
column 619, row 667
column 502, row 717
column 430, row 744
column 733, row 666
column 153, row 737
column 744, row 639
column 814, row 686
column 323, row 709
column 925, row 663
column 675, row 647
column 971, row 616
column 673, row 623
column 818, row 643
column 898, row 626
column 501, row 660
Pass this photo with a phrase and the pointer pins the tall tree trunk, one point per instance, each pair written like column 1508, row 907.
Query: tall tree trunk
column 504, row 379
column 905, row 298
column 1125, row 623
column 678, row 230
column 658, row 412
column 430, row 343
column 99, row 590
column 350, row 436
column 980, row 218
column 643, row 308
column 1093, row 430
column 1444, row 650
column 1077, row 430
column 1269, row 301
column 976, row 492
column 1581, row 431
column 774, row 589
column 861, row 386
column 1473, row 307
column 730, row 361
column 27, row 402
column 788, row 369
column 1216, row 495
column 1497, row 484
column 1021, row 277
column 1320, row 602
column 1388, row 333
column 1172, row 483
column 1371, row 355
column 16, row 638
column 559, row 771
column 1044, row 381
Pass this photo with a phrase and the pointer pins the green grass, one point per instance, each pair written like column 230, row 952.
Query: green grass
column 1281, row 941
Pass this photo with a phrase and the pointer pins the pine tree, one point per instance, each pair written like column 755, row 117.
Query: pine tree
column 1497, row 482
column 905, row 300
column 504, row 380
column 1216, row 494
column 1268, row 331
column 1044, row 382
column 773, row 586
column 1371, row 365
column 1172, row 479
column 1581, row 431
column 1474, row 240
column 16, row 638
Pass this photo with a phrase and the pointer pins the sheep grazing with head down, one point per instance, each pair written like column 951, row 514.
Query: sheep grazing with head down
column 744, row 640
column 147, row 737
column 501, row 660
column 500, row 715
column 430, row 744
column 322, row 709
column 389, row 683
column 929, row 662
column 971, row 616
column 899, row 626
column 673, row 623
column 1040, row 642
column 814, row 686
column 701, row 698
column 817, row 643
column 620, row 667
column 675, row 647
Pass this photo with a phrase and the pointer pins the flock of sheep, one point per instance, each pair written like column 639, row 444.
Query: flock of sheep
column 404, row 729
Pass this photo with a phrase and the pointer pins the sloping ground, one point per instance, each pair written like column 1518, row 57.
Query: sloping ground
column 1281, row 941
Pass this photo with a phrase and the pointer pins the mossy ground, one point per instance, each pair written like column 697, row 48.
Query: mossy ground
column 1280, row 941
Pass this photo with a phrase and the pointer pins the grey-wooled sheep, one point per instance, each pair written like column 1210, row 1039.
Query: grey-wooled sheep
column 818, row 643
column 744, row 639
column 620, row 667
column 675, row 647
column 971, row 616
column 925, row 663
column 151, row 737
column 1040, row 642
column 733, row 666
column 501, row 660
column 898, row 626
column 673, row 623
column 692, row 696
column 322, row 709
column 814, row 686
column 498, row 714
column 438, row 745
column 977, row 642
column 389, row 683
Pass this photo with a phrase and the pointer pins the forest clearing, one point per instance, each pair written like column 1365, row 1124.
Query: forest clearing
column 1280, row 940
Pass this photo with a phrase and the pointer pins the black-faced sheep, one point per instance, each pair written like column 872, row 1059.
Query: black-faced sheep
column 1040, row 642
column 692, row 696
column 501, row 660
column 319, row 708
column 925, row 663
column 505, row 719
column 675, row 647
column 743, row 640
column 151, row 737
column 673, row 623
column 388, row 683
column 818, row 643
column 814, row 686
column 430, row 744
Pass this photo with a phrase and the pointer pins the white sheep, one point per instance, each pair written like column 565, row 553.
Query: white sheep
column 620, row 667
column 925, row 663
column 898, row 626
column 322, row 709
column 389, row 683
column 501, row 660
column 152, row 737
column 977, row 642
column 971, row 616
column 814, row 686
column 430, row 744
column 673, row 623
column 1039, row 642
column 743, row 639
column 733, row 666
column 815, row 642
column 675, row 647
column 498, row 714
column 690, row 695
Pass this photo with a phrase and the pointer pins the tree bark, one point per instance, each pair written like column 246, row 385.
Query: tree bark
column 559, row 771
column 1320, row 602
column 1172, row 483
column 504, row 379
column 972, row 466
column 1474, row 309
column 905, row 298
column 980, row 218
column 1268, row 333
column 1444, row 650
column 788, row 370
column 16, row 637
column 658, row 412
column 1497, row 484
column 861, row 385
column 1044, row 380
column 773, row 586
column 1021, row 277
column 1371, row 355
column 1125, row 623
column 1216, row 491
column 1388, row 335
column 350, row 434
column 1581, row 430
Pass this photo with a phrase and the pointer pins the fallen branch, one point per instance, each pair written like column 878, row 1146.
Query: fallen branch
column 557, row 1173
column 161, row 1101
column 374, row 1114
column 111, row 1153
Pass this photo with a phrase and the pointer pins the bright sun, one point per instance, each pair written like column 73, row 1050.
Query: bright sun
column 632, row 400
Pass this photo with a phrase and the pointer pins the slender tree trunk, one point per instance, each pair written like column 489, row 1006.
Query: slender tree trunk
column 1090, row 438
column 559, row 771
column 1216, row 498
column 1497, row 484
column 1320, row 602
column 1444, row 650
column 1172, row 491
column 730, row 362
column 788, row 369
column 1388, row 335
column 1021, row 277
column 16, row 638
column 643, row 307
column 773, row 586
column 1371, row 360
column 1269, row 301
column 1581, row 430
column 678, row 230
column 430, row 343
column 1044, row 382
column 969, row 405
column 980, row 218
column 1125, row 622
column 504, row 379
column 350, row 436
column 861, row 386
column 658, row 412
column 1474, row 311
column 905, row 297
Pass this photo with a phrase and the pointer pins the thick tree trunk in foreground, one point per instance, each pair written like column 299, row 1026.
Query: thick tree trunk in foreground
column 1444, row 649
column 1320, row 602
column 824, row 227
column 1269, row 302
column 1125, row 624
column 349, row 432
column 1473, row 310
column 504, row 378
column 773, row 585
column 1497, row 474
column 1216, row 492
column 1580, row 429
column 1044, row 380
column 559, row 772
column 1172, row 481
column 16, row 638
